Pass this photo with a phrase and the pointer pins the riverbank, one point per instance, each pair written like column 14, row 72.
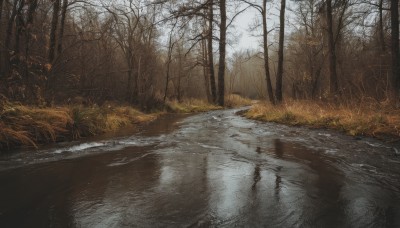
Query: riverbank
column 190, row 106
column 22, row 125
column 374, row 120
column 29, row 126
column 196, row 105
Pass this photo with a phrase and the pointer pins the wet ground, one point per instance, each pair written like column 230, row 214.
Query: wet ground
column 214, row 169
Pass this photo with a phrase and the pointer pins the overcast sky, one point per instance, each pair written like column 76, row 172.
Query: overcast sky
column 242, row 22
column 242, row 25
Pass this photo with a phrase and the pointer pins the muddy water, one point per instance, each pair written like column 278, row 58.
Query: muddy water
column 215, row 169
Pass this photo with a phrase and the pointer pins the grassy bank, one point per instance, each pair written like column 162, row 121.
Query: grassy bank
column 29, row 126
column 374, row 120
column 22, row 125
column 32, row 126
column 190, row 106
column 235, row 101
column 197, row 105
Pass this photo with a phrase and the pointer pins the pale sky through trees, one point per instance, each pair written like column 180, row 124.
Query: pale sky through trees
column 247, row 41
column 251, row 38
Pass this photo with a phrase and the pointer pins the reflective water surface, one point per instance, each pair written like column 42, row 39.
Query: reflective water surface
column 214, row 169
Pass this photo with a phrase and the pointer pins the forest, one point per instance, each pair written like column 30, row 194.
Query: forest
column 68, row 65
column 199, row 113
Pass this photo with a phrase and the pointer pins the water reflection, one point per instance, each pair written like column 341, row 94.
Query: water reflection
column 278, row 148
column 256, row 177
column 278, row 181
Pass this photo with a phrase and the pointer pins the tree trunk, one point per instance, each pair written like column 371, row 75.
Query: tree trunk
column 210, row 52
column 394, row 13
column 222, row 52
column 140, row 85
column 206, row 78
column 29, row 22
column 169, row 60
column 381, row 31
column 19, row 25
column 31, row 12
column 1, row 11
column 279, row 75
column 317, row 75
column 62, row 24
column 129, row 85
column 7, row 42
column 179, row 92
column 10, row 25
column 266, row 56
column 333, row 80
column 130, row 77
column 170, row 47
column 2, row 49
column 54, row 24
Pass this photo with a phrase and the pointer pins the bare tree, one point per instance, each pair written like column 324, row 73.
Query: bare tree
column 10, row 24
column 333, row 79
column 222, row 53
column 7, row 41
column 62, row 26
column 204, row 55
column 306, row 51
column 262, row 9
column 279, row 75
column 210, row 50
column 381, row 27
column 19, row 25
column 53, row 30
column 394, row 14
column 171, row 45
column 126, row 27
column 29, row 23
column 1, row 11
column 192, row 10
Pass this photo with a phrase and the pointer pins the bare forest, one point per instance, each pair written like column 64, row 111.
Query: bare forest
column 199, row 113
column 144, row 52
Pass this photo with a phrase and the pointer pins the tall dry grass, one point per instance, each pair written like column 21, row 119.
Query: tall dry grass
column 234, row 101
column 198, row 105
column 27, row 125
column 190, row 106
column 31, row 126
column 368, row 119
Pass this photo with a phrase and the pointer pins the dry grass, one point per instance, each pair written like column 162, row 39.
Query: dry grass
column 377, row 120
column 96, row 120
column 197, row 105
column 30, row 126
column 191, row 106
column 27, row 125
column 234, row 101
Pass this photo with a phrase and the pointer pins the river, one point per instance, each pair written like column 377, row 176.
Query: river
column 214, row 169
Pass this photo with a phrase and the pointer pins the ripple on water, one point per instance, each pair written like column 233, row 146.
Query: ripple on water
column 209, row 146
column 110, row 145
column 80, row 147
